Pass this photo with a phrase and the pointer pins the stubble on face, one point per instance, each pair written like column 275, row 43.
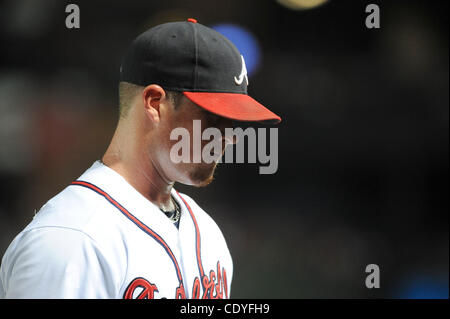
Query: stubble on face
column 203, row 174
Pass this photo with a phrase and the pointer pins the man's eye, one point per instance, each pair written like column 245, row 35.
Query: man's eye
column 211, row 118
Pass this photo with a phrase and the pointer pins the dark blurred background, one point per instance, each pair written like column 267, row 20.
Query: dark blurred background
column 363, row 145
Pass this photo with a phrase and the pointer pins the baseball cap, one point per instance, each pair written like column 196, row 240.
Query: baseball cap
column 198, row 61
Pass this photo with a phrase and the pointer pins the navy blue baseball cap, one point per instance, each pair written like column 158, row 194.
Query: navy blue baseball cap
column 198, row 61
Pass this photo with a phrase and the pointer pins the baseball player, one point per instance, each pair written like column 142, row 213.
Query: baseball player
column 121, row 230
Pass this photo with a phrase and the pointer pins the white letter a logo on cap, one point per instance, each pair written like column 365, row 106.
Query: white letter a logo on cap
column 243, row 74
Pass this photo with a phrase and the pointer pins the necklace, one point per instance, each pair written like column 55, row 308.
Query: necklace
column 173, row 215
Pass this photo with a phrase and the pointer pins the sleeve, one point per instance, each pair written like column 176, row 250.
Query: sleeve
column 56, row 262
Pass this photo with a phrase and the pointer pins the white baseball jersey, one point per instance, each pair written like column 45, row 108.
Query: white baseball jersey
column 100, row 238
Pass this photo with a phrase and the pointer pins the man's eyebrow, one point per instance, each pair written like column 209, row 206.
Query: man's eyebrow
column 205, row 111
column 208, row 112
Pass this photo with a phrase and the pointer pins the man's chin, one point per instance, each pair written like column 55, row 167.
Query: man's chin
column 205, row 182
column 203, row 176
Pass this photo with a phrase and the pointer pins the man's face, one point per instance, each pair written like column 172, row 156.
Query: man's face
column 192, row 173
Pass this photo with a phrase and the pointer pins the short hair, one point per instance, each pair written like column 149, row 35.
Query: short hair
column 128, row 91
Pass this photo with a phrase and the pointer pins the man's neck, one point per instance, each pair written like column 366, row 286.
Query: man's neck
column 144, row 176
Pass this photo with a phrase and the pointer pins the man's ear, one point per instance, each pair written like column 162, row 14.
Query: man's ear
column 152, row 96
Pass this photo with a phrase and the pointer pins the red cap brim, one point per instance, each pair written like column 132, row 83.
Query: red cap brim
column 239, row 107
